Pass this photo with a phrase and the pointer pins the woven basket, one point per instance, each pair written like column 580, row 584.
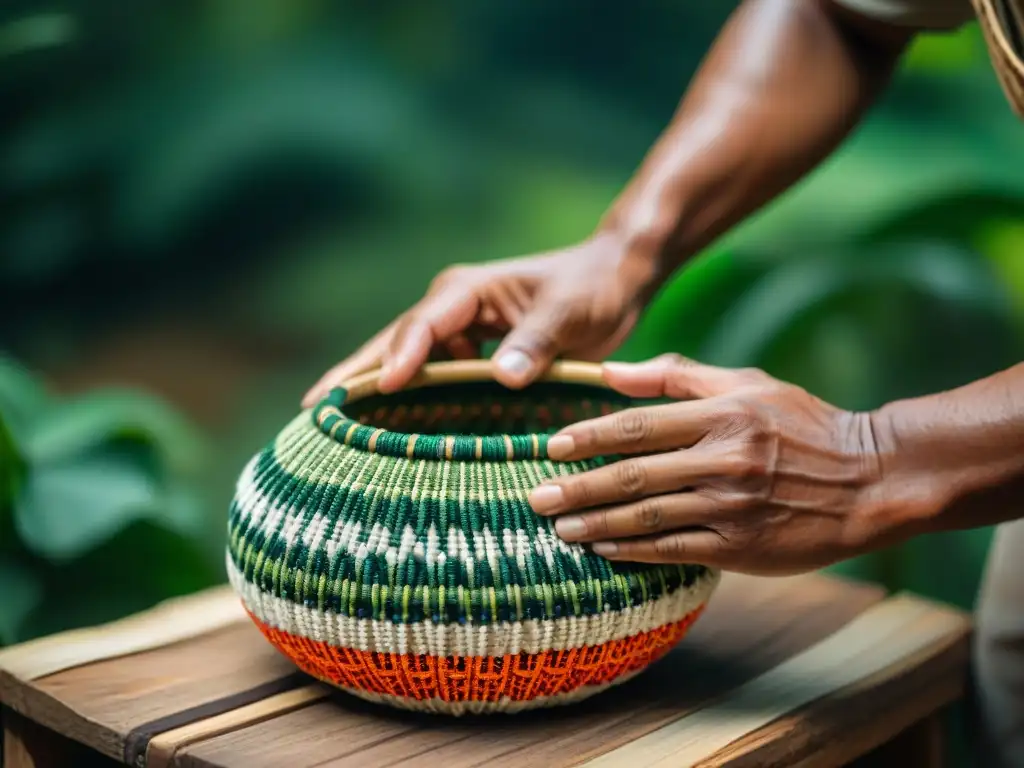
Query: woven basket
column 1002, row 23
column 386, row 546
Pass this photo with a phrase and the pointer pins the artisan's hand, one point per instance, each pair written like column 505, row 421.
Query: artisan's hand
column 750, row 474
column 580, row 302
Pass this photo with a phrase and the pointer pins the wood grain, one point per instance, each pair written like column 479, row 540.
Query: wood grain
column 884, row 641
column 734, row 682
column 29, row 745
column 164, row 747
column 100, row 704
column 169, row 622
column 751, row 626
column 921, row 745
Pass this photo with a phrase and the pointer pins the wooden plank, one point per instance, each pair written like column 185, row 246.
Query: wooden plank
column 29, row 745
column 751, row 626
column 885, row 641
column 314, row 736
column 100, row 704
column 169, row 622
column 922, row 745
column 163, row 747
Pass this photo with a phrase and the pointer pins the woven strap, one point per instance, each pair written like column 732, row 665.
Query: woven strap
column 1002, row 22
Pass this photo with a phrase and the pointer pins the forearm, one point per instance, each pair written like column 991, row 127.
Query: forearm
column 953, row 460
column 782, row 86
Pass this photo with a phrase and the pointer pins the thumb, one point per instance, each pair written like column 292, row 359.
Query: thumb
column 434, row 320
column 533, row 344
column 672, row 376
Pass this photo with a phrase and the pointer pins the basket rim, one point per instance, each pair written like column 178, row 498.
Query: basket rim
column 330, row 419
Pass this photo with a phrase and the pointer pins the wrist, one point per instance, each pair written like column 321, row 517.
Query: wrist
column 645, row 237
column 945, row 466
column 905, row 498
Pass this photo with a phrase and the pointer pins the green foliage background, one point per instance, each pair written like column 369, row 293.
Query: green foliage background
column 289, row 174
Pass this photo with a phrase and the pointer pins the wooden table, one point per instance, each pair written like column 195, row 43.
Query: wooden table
column 807, row 671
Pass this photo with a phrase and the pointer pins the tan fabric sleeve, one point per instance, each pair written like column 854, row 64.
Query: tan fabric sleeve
column 923, row 14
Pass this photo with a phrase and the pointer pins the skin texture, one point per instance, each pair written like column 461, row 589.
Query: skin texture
column 782, row 86
column 581, row 302
column 743, row 472
column 752, row 474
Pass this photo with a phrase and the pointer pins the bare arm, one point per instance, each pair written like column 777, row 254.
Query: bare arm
column 955, row 459
column 783, row 85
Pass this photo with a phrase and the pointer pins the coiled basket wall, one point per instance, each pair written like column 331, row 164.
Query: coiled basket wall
column 386, row 546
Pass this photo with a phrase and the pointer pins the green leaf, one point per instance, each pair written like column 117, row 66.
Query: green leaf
column 944, row 566
column 99, row 418
column 72, row 504
column 12, row 467
column 944, row 53
column 140, row 566
column 785, row 294
column 691, row 304
column 964, row 141
column 38, row 32
column 22, row 397
column 22, row 593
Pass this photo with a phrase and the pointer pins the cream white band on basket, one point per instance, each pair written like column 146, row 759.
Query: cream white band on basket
column 386, row 544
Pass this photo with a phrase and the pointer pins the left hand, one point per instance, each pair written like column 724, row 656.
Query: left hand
column 750, row 474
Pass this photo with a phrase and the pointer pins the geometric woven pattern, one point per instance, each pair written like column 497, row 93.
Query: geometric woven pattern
column 387, row 547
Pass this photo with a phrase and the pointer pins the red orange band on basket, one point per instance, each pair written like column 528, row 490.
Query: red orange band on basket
column 515, row 677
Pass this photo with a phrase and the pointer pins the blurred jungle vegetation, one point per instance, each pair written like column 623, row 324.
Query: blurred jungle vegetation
column 203, row 204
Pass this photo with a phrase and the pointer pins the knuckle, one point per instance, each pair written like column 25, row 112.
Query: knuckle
column 600, row 524
column 669, row 546
column 537, row 338
column 631, row 426
column 746, row 465
column 742, row 411
column 649, row 515
column 577, row 492
column 752, row 375
column 727, row 502
column 673, row 359
column 631, row 477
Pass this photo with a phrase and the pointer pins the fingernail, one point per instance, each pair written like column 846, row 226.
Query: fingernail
column 561, row 446
column 570, row 528
column 547, row 498
column 605, row 549
column 514, row 362
column 618, row 367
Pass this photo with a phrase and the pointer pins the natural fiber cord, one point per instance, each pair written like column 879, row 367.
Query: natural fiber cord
column 387, row 547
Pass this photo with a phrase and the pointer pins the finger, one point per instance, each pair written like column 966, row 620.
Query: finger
column 507, row 302
column 366, row 357
column 626, row 480
column 607, row 346
column 434, row 320
column 674, row 376
column 640, row 518
column 634, row 430
column 532, row 345
column 460, row 347
column 696, row 547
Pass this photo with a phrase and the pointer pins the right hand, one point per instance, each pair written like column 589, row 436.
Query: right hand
column 581, row 302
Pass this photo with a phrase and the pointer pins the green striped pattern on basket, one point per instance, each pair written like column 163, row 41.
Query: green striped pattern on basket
column 429, row 525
